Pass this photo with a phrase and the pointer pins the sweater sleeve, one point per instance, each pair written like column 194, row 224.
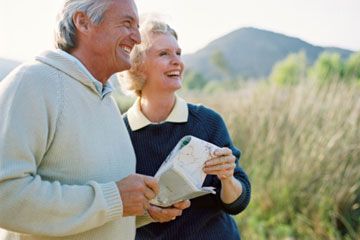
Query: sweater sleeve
column 143, row 220
column 219, row 135
column 28, row 203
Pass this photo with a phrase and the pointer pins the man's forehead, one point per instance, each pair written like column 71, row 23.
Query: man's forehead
column 124, row 9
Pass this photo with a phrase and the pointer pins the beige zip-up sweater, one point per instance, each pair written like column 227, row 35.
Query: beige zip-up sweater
column 62, row 147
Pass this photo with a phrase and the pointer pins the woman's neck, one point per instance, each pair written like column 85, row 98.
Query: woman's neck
column 156, row 107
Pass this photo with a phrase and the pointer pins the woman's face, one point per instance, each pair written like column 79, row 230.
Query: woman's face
column 162, row 64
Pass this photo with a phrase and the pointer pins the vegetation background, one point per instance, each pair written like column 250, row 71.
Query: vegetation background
column 296, row 122
column 293, row 108
column 299, row 131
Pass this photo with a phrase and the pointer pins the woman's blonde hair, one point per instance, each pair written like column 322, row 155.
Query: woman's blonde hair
column 133, row 80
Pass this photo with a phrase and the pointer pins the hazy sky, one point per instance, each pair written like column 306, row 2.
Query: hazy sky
column 26, row 25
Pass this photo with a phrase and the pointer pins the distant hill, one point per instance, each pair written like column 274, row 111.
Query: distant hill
column 6, row 65
column 251, row 53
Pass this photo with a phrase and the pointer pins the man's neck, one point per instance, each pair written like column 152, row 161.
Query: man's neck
column 98, row 71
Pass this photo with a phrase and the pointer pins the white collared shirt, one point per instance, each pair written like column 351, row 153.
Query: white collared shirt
column 138, row 120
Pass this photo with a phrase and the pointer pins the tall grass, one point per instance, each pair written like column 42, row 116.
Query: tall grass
column 301, row 149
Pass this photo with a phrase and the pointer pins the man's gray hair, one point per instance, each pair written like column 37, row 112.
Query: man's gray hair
column 65, row 30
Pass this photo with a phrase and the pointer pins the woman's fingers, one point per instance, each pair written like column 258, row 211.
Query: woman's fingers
column 182, row 205
column 223, row 167
column 222, row 152
column 221, row 173
column 218, row 161
column 164, row 214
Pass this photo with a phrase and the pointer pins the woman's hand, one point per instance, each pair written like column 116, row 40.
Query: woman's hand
column 160, row 214
column 222, row 165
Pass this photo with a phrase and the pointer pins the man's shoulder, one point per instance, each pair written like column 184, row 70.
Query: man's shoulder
column 31, row 78
column 30, row 71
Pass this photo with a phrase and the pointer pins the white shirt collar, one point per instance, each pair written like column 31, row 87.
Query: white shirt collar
column 137, row 119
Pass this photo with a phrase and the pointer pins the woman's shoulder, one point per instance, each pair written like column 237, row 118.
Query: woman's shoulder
column 200, row 111
column 209, row 122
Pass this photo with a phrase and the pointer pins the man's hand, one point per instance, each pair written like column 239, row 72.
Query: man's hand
column 160, row 214
column 136, row 190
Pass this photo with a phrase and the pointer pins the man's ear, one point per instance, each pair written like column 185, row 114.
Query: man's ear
column 81, row 22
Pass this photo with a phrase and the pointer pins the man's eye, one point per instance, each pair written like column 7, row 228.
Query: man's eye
column 163, row 53
column 178, row 53
column 127, row 24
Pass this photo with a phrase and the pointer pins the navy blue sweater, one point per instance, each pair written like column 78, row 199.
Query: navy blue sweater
column 208, row 217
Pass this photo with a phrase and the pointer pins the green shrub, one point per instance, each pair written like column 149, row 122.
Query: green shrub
column 290, row 70
column 328, row 68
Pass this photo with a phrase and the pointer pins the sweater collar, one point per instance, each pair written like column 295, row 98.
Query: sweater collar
column 70, row 65
column 137, row 120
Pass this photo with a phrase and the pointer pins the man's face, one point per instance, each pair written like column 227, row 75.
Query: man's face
column 114, row 37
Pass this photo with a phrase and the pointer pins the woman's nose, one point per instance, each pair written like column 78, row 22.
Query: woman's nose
column 177, row 60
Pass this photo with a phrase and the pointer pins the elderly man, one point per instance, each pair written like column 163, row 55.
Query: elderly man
column 66, row 160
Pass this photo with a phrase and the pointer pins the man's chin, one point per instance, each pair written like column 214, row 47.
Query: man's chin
column 124, row 65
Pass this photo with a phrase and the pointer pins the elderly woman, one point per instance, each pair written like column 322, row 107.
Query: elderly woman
column 159, row 119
